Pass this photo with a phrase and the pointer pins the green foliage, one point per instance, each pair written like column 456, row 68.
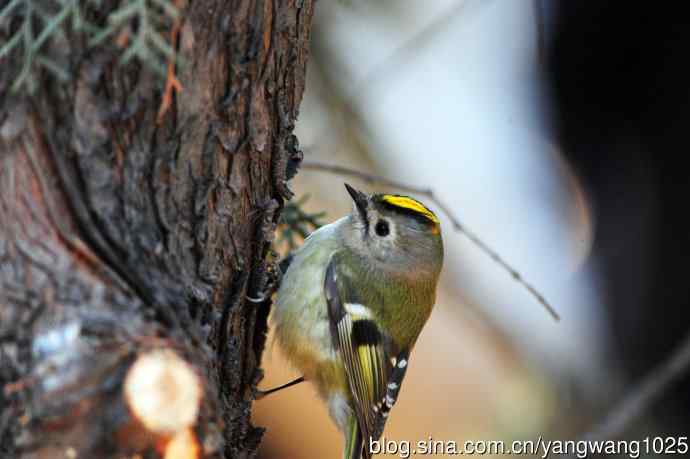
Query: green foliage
column 148, row 45
column 296, row 224
column 30, row 26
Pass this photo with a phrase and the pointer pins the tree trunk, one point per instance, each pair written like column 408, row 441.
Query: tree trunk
column 135, row 226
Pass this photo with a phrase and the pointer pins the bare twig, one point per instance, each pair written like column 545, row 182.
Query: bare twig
column 457, row 225
column 644, row 395
column 410, row 49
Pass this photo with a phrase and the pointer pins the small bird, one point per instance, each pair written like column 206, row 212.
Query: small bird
column 352, row 304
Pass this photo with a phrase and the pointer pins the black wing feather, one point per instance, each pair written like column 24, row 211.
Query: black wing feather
column 374, row 376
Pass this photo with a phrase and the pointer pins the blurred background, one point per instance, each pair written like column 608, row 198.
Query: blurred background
column 554, row 131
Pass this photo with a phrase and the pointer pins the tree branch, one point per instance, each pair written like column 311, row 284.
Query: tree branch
column 644, row 395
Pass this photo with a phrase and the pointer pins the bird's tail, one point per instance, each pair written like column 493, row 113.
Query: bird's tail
column 353, row 441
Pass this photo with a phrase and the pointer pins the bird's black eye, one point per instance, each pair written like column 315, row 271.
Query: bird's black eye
column 382, row 228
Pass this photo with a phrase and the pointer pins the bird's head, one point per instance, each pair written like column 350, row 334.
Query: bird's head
column 397, row 231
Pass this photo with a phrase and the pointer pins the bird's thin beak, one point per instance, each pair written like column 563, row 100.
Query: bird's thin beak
column 360, row 200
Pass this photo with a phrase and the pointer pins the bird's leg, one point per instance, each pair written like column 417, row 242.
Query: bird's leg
column 273, row 285
column 262, row 393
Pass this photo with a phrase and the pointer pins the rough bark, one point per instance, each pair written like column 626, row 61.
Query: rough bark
column 121, row 233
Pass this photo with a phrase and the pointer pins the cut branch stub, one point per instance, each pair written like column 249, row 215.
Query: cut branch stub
column 163, row 392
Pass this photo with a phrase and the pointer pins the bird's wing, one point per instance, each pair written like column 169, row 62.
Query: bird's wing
column 375, row 367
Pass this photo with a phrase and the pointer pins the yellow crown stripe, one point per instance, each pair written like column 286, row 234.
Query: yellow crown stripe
column 411, row 204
